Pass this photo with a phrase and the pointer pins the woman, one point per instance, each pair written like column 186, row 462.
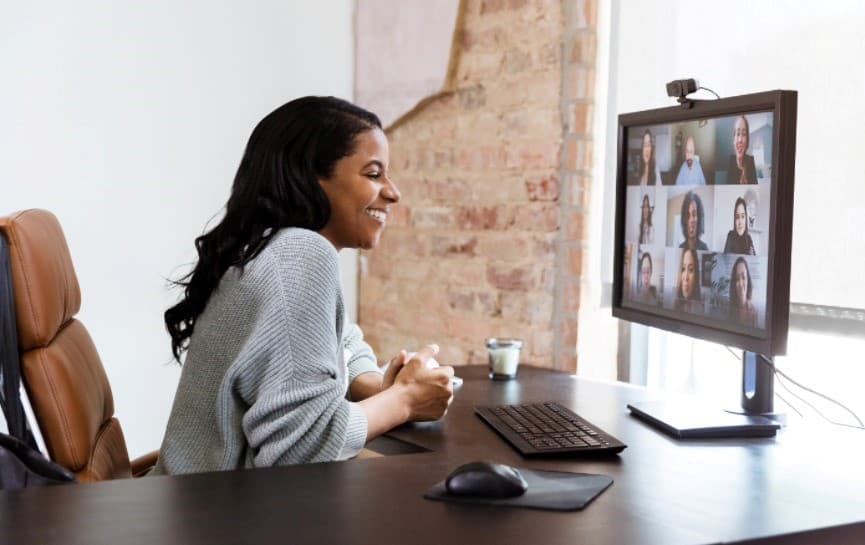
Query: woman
column 648, row 170
column 741, row 169
column 646, row 292
column 272, row 375
column 688, row 297
column 692, row 220
column 647, row 231
column 739, row 240
column 742, row 310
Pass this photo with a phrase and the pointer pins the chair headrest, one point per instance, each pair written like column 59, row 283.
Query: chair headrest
column 43, row 279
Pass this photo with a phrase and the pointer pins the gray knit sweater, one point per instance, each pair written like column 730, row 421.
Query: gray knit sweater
column 265, row 379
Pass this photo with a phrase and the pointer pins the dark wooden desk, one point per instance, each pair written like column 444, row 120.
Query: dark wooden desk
column 665, row 492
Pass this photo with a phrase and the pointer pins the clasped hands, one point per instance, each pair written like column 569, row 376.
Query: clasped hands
column 426, row 384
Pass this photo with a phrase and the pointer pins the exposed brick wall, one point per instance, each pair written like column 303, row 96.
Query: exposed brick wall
column 493, row 174
column 578, row 84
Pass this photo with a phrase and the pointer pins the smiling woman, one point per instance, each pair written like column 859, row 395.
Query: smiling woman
column 360, row 194
column 272, row 376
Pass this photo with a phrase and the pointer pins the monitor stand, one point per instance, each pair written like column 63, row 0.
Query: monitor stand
column 686, row 419
column 758, row 387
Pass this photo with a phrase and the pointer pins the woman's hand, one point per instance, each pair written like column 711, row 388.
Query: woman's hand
column 411, row 390
column 426, row 390
column 393, row 368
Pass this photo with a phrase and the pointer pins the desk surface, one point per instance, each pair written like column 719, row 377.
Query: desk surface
column 665, row 492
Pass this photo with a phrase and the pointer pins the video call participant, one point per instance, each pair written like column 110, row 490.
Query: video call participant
column 648, row 173
column 742, row 310
column 646, row 292
column 647, row 230
column 741, row 169
column 688, row 283
column 690, row 173
column 739, row 240
column 692, row 218
column 266, row 380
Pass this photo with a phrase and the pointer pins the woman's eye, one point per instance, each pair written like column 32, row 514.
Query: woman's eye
column 374, row 175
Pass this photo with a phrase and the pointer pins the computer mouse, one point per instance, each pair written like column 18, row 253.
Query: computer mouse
column 486, row 480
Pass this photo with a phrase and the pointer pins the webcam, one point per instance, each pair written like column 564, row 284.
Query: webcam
column 680, row 88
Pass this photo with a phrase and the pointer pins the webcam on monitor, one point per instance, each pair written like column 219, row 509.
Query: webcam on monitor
column 681, row 88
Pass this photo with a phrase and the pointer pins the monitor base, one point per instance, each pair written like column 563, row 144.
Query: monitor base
column 778, row 417
column 685, row 419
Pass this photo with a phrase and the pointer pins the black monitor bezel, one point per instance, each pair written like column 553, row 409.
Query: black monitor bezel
column 782, row 104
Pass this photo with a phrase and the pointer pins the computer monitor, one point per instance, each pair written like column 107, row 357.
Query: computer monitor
column 704, row 211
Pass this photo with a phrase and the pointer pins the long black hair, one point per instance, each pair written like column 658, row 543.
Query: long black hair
column 741, row 201
column 647, row 220
column 735, row 302
column 695, row 289
column 276, row 186
column 650, row 179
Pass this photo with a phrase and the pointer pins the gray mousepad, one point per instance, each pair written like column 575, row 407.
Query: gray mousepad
column 551, row 490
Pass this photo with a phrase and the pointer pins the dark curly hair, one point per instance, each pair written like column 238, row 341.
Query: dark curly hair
column 691, row 197
column 276, row 186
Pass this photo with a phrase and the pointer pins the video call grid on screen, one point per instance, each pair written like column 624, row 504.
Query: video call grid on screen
column 697, row 220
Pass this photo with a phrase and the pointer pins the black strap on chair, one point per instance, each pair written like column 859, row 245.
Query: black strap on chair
column 10, row 364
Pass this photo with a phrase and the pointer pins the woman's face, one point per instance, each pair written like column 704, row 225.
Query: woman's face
column 687, row 275
column 740, row 137
column 740, row 219
column 645, row 274
column 692, row 221
column 647, row 148
column 360, row 194
column 740, row 279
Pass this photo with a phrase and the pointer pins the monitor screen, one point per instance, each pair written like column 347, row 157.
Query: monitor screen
column 699, row 222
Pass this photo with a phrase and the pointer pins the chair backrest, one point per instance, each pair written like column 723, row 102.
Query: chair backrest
column 60, row 368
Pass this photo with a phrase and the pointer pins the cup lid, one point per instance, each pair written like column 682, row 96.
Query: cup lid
column 504, row 342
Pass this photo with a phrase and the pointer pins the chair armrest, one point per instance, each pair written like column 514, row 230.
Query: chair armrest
column 143, row 464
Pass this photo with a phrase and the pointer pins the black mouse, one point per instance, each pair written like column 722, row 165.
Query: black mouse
column 486, row 480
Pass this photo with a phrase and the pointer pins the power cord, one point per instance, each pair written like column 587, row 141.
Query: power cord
column 787, row 403
column 778, row 373
column 711, row 91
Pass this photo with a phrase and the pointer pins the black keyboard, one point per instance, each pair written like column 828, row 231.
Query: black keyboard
column 548, row 428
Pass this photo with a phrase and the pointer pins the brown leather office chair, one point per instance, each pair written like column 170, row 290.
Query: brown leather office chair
column 60, row 368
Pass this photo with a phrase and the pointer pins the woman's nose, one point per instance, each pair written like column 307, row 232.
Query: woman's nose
column 391, row 192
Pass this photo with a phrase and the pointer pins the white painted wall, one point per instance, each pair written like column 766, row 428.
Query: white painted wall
column 128, row 120
column 742, row 46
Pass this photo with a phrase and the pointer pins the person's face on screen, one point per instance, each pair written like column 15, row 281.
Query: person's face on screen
column 689, row 151
column 740, row 219
column 687, row 274
column 360, row 194
column 740, row 278
column 647, row 148
column 645, row 274
column 692, row 221
column 645, row 209
column 740, row 137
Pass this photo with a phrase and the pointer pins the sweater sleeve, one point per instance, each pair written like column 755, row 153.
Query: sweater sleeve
column 359, row 356
column 297, row 407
